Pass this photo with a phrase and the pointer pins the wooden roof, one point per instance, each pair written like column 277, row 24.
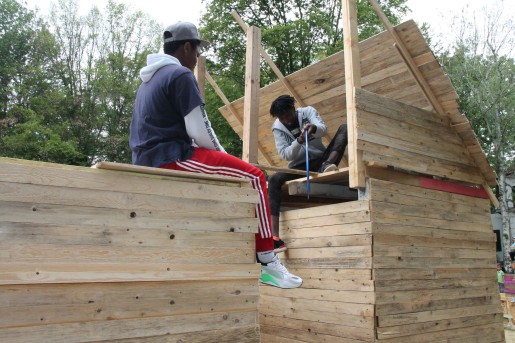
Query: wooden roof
column 383, row 72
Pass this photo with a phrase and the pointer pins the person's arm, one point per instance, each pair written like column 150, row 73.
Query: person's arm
column 199, row 129
column 286, row 149
column 320, row 129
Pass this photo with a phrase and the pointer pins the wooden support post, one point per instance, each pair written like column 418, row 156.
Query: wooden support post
column 200, row 75
column 231, row 109
column 491, row 195
column 251, row 101
column 352, row 80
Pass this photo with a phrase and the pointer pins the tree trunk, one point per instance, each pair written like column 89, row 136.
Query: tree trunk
column 505, row 219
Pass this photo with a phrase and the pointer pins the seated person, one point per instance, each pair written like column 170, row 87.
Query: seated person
column 289, row 130
column 170, row 129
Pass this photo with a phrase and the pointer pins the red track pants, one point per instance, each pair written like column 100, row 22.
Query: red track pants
column 219, row 163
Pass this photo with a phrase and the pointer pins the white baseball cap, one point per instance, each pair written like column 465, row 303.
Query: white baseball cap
column 181, row 31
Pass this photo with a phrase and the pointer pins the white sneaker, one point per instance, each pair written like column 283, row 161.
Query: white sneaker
column 275, row 274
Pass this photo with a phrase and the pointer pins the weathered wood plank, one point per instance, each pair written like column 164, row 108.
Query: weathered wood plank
column 407, row 296
column 249, row 334
column 333, row 241
column 431, row 305
column 45, row 304
column 332, row 314
column 361, row 228
column 51, row 273
column 353, row 297
column 432, row 273
column 80, row 254
column 170, row 237
column 96, row 331
column 396, row 332
column 25, row 193
column 376, row 149
column 107, row 180
column 415, row 251
column 426, row 316
column 488, row 333
column 339, row 331
column 392, row 218
column 302, row 336
column 435, row 262
column 419, row 190
column 37, row 213
column 428, row 212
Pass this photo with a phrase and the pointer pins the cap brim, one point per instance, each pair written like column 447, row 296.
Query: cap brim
column 204, row 43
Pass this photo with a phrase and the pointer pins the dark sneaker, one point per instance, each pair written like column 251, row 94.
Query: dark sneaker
column 275, row 274
column 327, row 167
column 279, row 245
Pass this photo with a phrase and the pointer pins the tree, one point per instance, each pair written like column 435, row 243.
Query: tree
column 29, row 100
column 480, row 64
column 294, row 33
column 101, row 55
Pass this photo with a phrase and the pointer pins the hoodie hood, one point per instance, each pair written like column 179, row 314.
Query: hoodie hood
column 154, row 63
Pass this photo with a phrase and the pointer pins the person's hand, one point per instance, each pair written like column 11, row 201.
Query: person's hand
column 311, row 129
column 301, row 139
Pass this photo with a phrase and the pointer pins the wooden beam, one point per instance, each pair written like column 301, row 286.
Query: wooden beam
column 333, row 177
column 123, row 167
column 322, row 190
column 491, row 195
column 200, row 75
column 251, row 101
column 231, row 109
column 352, row 80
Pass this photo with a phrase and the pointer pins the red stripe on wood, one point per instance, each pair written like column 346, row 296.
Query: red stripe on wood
column 453, row 188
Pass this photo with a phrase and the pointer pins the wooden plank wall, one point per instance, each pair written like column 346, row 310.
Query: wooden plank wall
column 383, row 71
column 434, row 266
column 91, row 255
column 393, row 133
column 330, row 248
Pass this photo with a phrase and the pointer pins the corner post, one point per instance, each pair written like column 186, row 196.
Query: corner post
column 200, row 75
column 251, row 101
column 352, row 81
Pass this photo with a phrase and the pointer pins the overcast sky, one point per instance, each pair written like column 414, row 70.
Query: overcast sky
column 438, row 13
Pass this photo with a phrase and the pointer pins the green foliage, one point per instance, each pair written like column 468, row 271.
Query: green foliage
column 484, row 78
column 294, row 33
column 33, row 140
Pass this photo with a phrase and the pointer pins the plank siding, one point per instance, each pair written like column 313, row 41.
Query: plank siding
column 330, row 247
column 383, row 72
column 410, row 138
column 89, row 255
column 433, row 266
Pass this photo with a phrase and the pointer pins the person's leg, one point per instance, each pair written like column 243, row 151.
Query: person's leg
column 275, row 183
column 214, row 162
column 218, row 163
column 334, row 152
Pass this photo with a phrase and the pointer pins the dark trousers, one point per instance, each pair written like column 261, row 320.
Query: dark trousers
column 277, row 180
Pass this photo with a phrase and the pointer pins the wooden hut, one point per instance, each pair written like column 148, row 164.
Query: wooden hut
column 395, row 247
column 412, row 257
